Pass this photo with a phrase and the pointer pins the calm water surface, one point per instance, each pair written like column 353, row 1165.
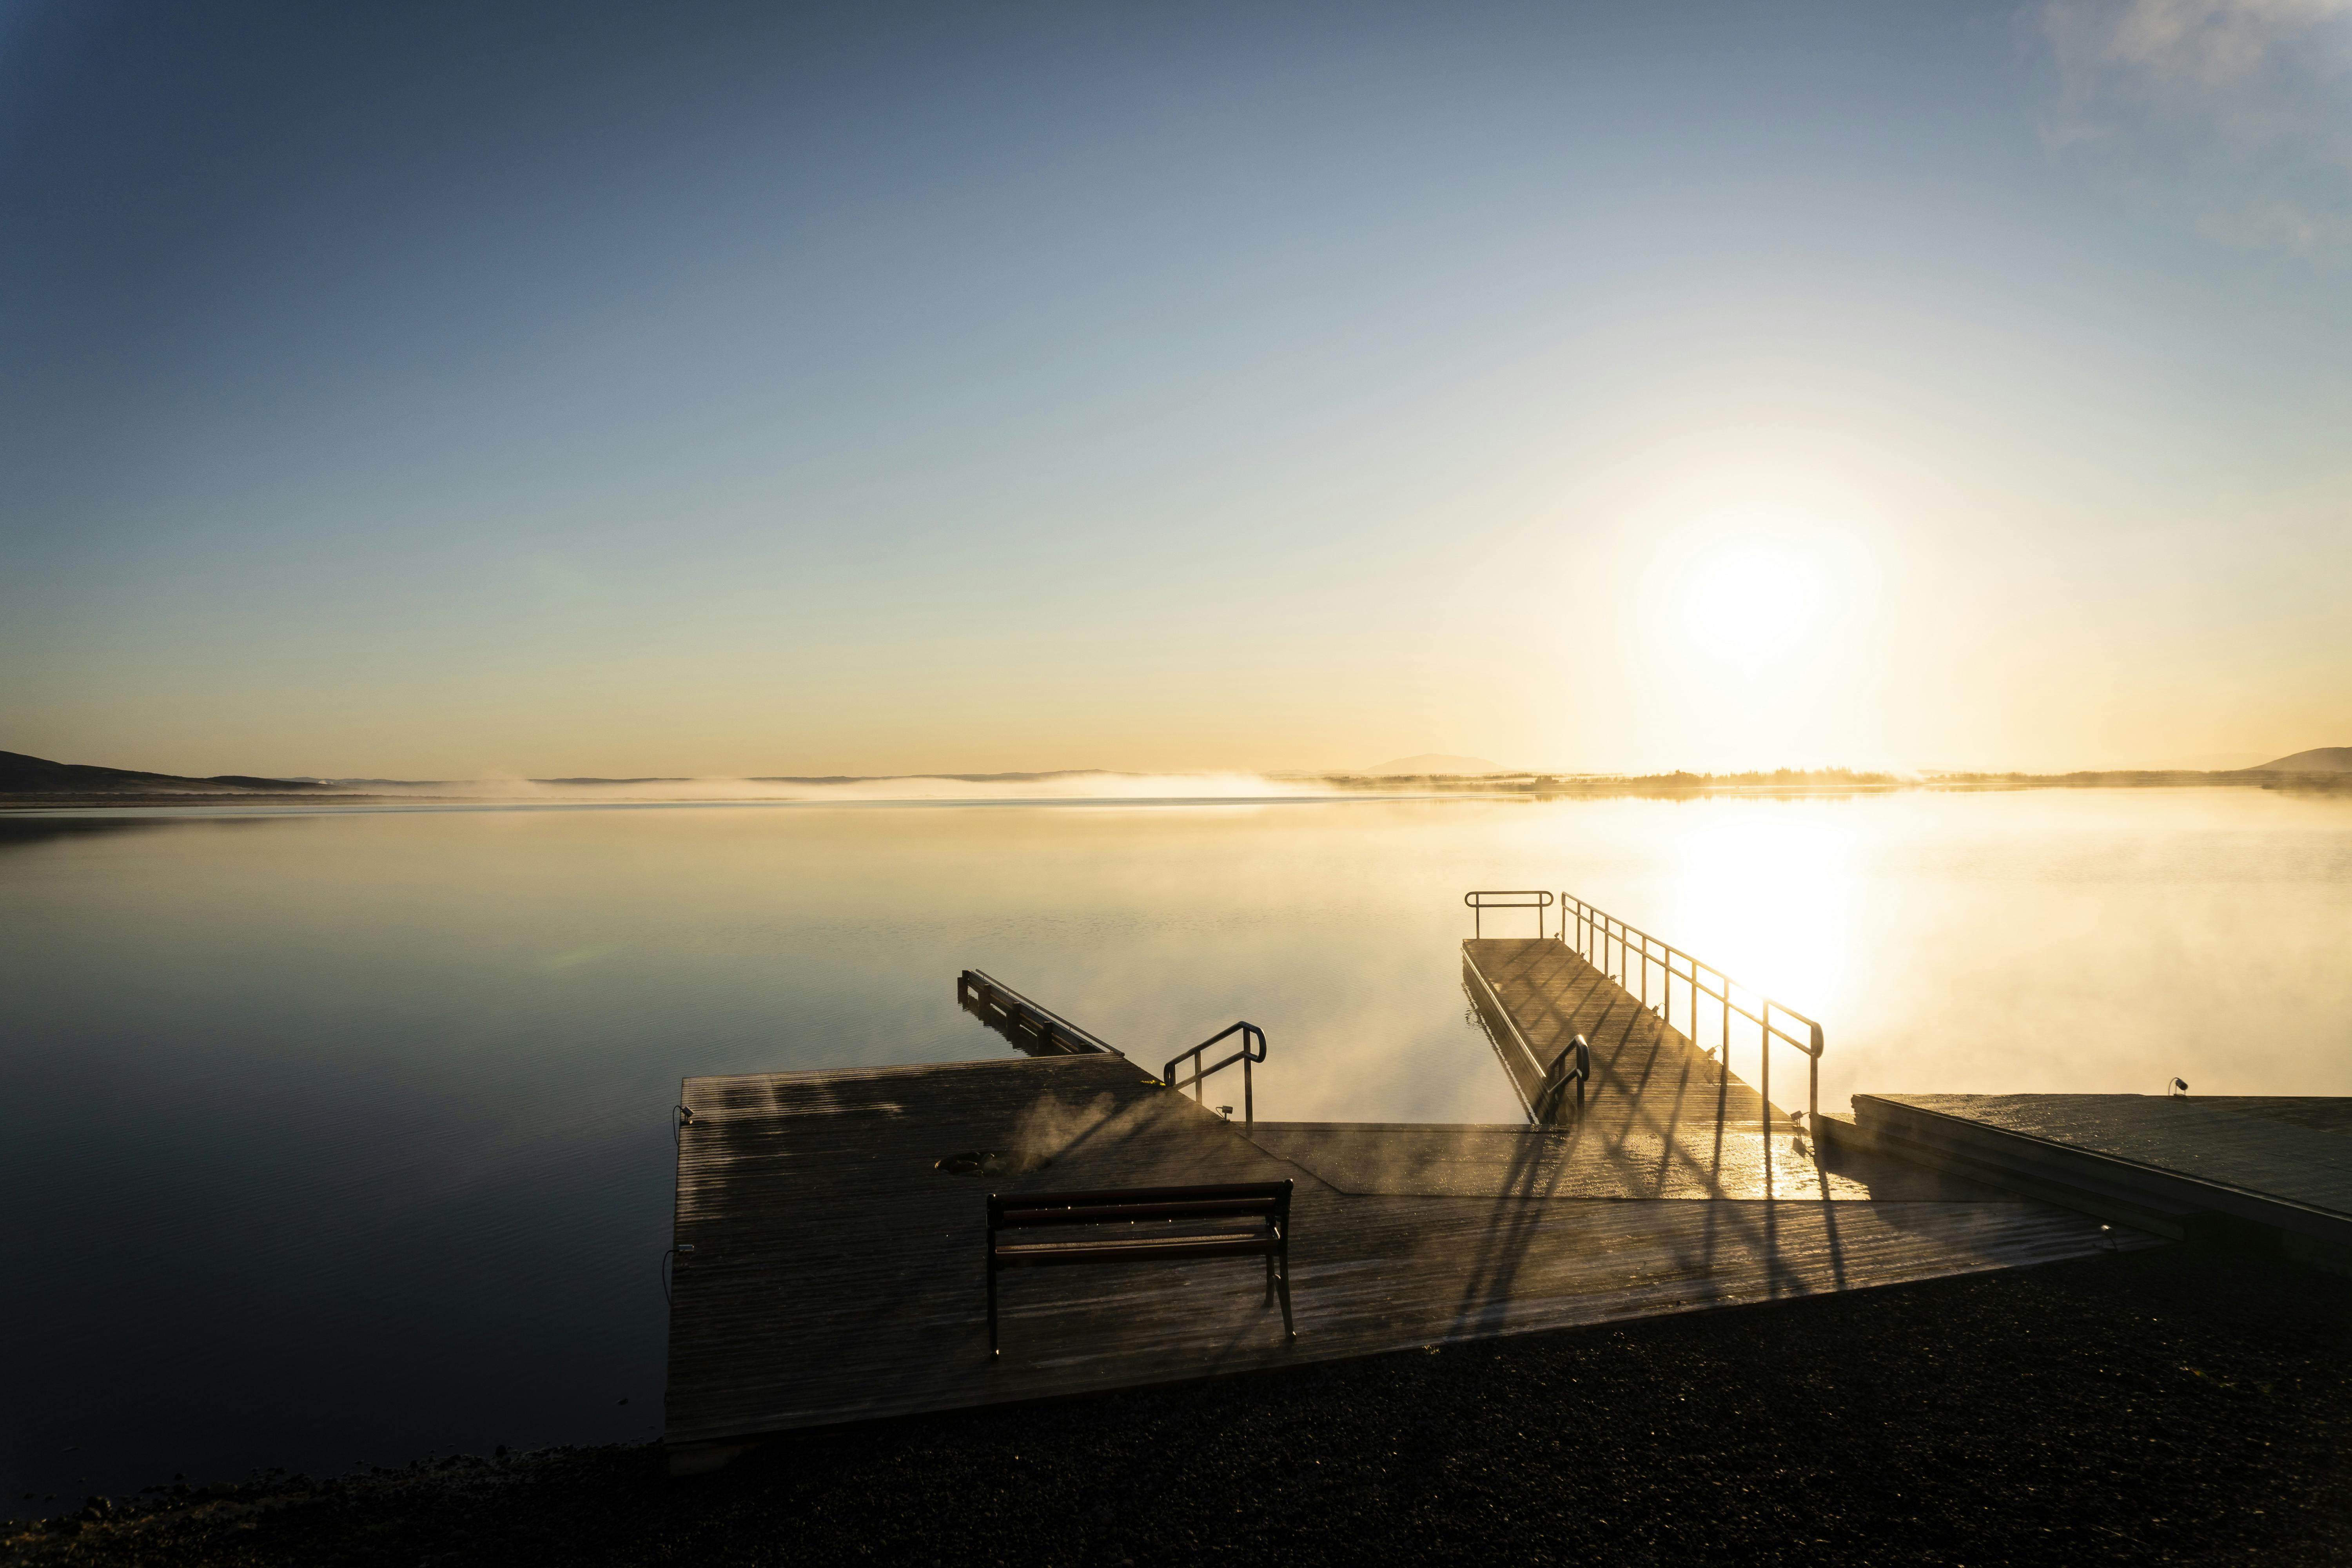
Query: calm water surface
column 339, row 1137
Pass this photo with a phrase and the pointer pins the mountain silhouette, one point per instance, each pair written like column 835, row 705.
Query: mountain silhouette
column 2321, row 759
column 21, row 774
column 1431, row 764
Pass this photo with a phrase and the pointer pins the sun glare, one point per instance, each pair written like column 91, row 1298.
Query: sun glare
column 1751, row 598
column 1756, row 623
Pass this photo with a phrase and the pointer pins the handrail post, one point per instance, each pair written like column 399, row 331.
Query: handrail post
column 1614, row 948
column 1813, row 1089
column 1253, row 1051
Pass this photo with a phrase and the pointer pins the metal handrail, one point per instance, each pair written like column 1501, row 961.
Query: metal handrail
column 1493, row 1010
column 1545, row 1107
column 1552, row 1084
column 1253, row 1051
column 1533, row 898
column 1606, row 941
column 1012, row 1014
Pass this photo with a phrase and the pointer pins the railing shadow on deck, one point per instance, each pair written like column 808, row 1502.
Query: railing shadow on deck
column 1519, row 1214
column 1751, row 1222
column 1629, row 954
column 1693, row 1096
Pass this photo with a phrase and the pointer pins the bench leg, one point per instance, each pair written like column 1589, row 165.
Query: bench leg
column 1269, row 1278
column 1281, row 1276
column 991, row 1309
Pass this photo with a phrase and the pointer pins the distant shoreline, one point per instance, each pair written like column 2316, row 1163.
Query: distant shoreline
column 36, row 784
column 1835, row 780
column 82, row 800
column 1540, row 786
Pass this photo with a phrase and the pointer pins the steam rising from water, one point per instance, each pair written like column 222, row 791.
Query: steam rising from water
column 1049, row 1129
column 1085, row 785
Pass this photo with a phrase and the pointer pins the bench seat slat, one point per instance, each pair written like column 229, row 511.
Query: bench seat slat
column 1034, row 1256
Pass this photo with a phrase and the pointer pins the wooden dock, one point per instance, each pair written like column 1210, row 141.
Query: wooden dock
column 830, row 1270
column 1643, row 1069
column 2280, row 1168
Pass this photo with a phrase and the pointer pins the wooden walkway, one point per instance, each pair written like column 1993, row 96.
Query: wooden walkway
column 836, row 1271
column 1642, row 1072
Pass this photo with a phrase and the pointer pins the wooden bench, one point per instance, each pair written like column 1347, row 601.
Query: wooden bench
column 1249, row 1219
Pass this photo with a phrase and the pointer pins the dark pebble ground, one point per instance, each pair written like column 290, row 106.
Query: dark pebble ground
column 2180, row 1405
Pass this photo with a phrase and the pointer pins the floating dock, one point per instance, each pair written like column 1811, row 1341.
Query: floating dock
column 2269, row 1171
column 830, row 1223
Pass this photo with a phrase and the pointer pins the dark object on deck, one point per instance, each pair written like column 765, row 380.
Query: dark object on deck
column 1573, row 1064
column 1234, row 1204
column 992, row 1163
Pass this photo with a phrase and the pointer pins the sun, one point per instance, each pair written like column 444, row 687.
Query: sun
column 1751, row 598
column 1755, row 625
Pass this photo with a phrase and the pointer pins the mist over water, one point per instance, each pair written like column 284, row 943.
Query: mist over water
column 1075, row 785
column 344, row 1135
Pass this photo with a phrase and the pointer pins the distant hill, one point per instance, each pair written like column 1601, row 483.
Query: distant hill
column 2324, row 760
column 1432, row 765
column 21, row 774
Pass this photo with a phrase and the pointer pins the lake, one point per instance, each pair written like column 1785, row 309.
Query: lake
column 344, row 1135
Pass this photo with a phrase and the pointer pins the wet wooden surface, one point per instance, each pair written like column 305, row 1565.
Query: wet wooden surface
column 1643, row 1072
column 1621, row 1158
column 837, row 1273
column 2299, row 1148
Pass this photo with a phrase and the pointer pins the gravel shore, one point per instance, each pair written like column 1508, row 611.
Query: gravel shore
column 2182, row 1405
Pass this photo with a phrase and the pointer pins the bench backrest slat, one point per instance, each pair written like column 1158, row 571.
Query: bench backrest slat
column 1232, row 1200
column 1147, row 1194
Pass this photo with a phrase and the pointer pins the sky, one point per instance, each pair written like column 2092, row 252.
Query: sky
column 458, row 391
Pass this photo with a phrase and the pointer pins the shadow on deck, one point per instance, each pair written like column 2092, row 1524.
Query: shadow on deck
column 836, row 1270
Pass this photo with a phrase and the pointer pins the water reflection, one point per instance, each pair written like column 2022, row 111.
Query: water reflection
column 343, row 1136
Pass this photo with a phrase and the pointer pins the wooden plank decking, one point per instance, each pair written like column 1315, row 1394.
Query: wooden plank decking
column 835, row 1272
column 1643, row 1072
column 1597, row 1159
column 2175, row 1165
column 2293, row 1151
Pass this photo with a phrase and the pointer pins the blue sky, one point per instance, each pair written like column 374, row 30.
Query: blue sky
column 438, row 391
